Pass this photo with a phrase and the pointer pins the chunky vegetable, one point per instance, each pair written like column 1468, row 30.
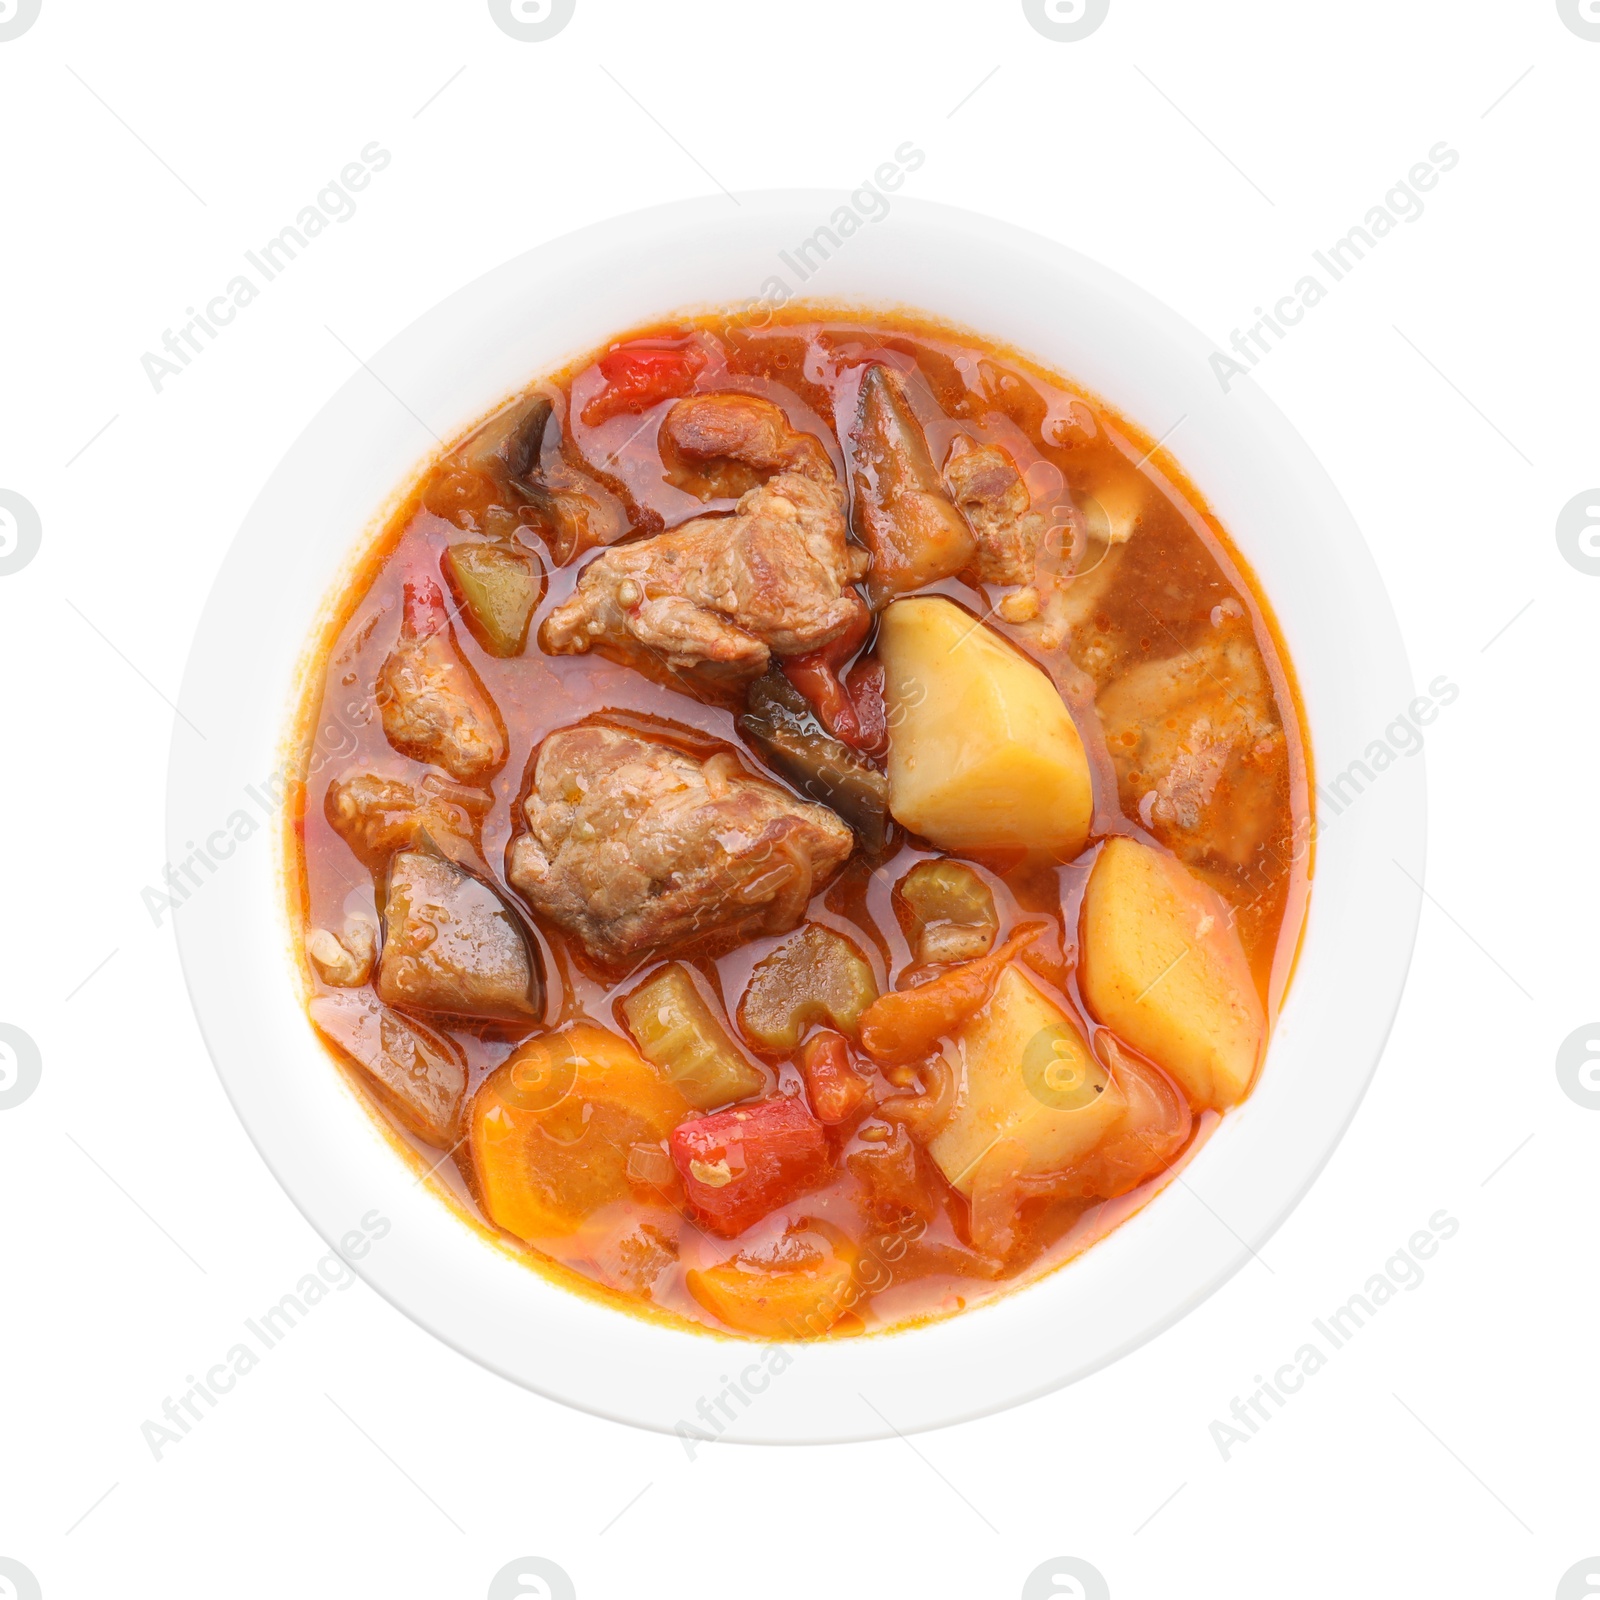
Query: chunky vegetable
column 901, row 511
column 641, row 375
column 1030, row 1084
column 909, row 1022
column 1163, row 968
column 452, row 945
column 816, row 675
column 419, row 1075
column 795, row 1288
column 982, row 752
column 556, row 1131
column 782, row 724
column 835, row 1088
column 738, row 1165
column 817, row 975
column 677, row 1030
column 948, row 911
column 498, row 587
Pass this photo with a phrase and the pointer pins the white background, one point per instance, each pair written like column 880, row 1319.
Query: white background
column 1443, row 384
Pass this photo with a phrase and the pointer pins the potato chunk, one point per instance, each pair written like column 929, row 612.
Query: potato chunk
column 1030, row 1083
column 1164, row 969
column 982, row 752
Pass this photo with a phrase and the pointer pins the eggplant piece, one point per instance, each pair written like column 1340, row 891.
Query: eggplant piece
column 418, row 1074
column 451, row 945
column 498, row 587
column 782, row 725
column 575, row 512
column 510, row 441
column 900, row 510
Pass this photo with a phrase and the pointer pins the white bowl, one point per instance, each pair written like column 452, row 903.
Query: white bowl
column 488, row 340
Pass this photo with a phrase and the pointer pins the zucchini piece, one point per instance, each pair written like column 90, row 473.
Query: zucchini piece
column 948, row 911
column 816, row 976
column 498, row 587
column 678, row 1032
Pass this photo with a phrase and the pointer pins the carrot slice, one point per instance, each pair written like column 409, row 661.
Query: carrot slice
column 556, row 1129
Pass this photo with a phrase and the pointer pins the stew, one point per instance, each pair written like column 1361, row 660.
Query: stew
column 803, row 827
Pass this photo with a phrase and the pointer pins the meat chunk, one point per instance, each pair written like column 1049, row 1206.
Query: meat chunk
column 724, row 444
column 902, row 513
column 419, row 1074
column 433, row 707
column 1182, row 729
column 984, row 482
column 376, row 815
column 636, row 848
column 451, row 945
column 773, row 578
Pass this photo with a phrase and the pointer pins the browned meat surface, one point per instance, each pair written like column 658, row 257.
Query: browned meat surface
column 772, row 579
column 433, row 707
column 451, row 945
column 902, row 513
column 1190, row 731
column 376, row 815
column 720, row 445
column 638, row 848
column 416, row 1072
column 985, row 484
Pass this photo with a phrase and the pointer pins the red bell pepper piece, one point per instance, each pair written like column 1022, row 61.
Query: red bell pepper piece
column 835, row 1087
column 738, row 1165
column 639, row 376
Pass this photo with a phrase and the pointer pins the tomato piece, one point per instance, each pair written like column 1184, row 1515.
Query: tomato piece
column 865, row 686
column 835, row 1087
column 639, row 376
column 738, row 1165
column 816, row 676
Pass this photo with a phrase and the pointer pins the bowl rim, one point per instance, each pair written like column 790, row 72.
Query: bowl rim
column 629, row 1368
